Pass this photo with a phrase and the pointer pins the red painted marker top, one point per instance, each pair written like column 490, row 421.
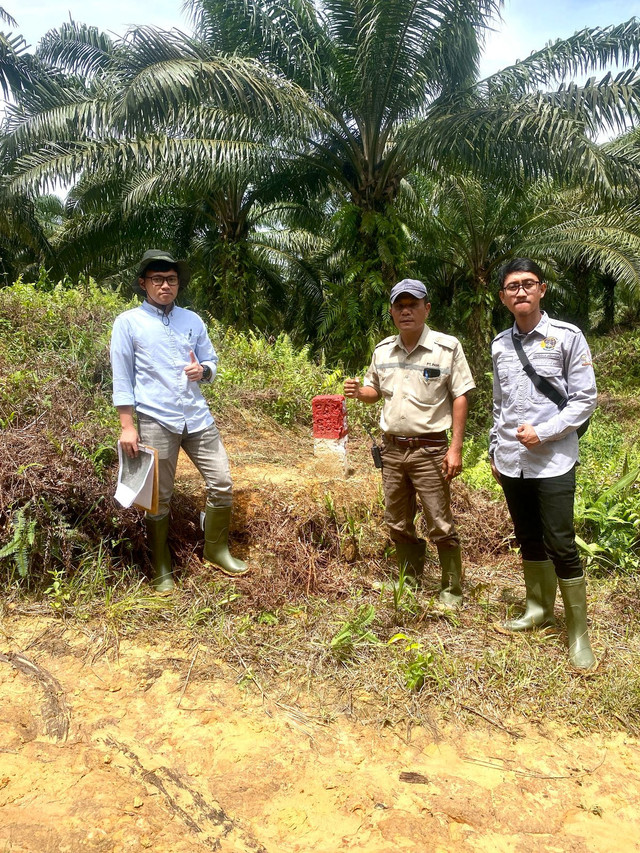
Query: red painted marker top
column 329, row 416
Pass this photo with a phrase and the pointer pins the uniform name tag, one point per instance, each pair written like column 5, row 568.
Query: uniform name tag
column 431, row 372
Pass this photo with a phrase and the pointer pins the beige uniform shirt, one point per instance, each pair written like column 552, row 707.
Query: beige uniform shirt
column 418, row 387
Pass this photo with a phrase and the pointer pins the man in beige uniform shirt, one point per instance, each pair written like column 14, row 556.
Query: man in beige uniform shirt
column 423, row 379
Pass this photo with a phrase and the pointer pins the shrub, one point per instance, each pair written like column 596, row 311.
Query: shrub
column 269, row 374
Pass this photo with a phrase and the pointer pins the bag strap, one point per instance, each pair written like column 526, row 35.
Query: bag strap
column 543, row 386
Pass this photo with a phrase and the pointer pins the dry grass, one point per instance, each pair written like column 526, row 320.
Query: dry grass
column 275, row 626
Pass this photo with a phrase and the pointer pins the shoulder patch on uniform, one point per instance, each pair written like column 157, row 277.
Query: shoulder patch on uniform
column 561, row 324
column 385, row 341
column 443, row 340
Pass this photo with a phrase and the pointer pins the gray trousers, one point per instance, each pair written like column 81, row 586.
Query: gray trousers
column 205, row 449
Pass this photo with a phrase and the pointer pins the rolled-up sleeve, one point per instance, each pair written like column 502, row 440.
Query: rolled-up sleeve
column 122, row 363
column 205, row 352
column 371, row 377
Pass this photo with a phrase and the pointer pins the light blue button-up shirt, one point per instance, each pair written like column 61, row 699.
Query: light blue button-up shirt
column 559, row 352
column 149, row 352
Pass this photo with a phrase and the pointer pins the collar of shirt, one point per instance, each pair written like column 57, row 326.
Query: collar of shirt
column 157, row 312
column 542, row 327
column 425, row 340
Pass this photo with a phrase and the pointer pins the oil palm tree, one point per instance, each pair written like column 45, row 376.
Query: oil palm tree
column 397, row 84
column 358, row 95
column 164, row 140
column 126, row 102
column 465, row 228
column 14, row 64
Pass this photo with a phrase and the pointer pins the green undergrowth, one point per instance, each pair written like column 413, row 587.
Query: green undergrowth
column 616, row 356
column 269, row 374
column 318, row 621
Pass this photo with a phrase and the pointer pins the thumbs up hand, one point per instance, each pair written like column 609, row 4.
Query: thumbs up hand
column 193, row 369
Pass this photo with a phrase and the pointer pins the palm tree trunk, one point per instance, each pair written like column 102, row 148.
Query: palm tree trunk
column 479, row 326
column 580, row 275
column 608, row 302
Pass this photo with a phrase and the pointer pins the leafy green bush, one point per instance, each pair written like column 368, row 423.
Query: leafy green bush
column 616, row 359
column 608, row 495
column 476, row 470
column 76, row 320
column 269, row 374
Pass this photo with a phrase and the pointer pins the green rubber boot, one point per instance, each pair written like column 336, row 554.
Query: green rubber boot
column 541, row 583
column 216, row 541
column 574, row 596
column 451, row 586
column 410, row 559
column 157, row 532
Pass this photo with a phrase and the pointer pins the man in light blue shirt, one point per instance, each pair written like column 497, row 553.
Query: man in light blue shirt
column 534, row 450
column 159, row 355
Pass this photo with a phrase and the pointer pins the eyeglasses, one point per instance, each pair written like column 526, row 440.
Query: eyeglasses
column 159, row 280
column 527, row 285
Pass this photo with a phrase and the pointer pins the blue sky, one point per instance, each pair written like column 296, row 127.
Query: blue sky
column 527, row 25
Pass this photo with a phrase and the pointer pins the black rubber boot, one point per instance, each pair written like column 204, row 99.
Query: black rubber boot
column 541, row 583
column 574, row 596
column 216, row 541
column 451, row 586
column 410, row 559
column 157, row 532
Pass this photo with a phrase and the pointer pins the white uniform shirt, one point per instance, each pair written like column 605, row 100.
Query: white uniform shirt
column 418, row 387
column 559, row 352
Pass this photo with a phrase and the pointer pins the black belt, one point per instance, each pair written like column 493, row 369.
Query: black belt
column 428, row 439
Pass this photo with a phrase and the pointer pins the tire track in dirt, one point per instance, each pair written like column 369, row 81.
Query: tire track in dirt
column 207, row 820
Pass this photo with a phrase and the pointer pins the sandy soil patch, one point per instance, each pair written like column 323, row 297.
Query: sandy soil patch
column 139, row 751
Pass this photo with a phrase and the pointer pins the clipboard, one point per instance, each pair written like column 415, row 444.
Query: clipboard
column 138, row 479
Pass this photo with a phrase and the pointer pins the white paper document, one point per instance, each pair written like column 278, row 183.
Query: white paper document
column 135, row 477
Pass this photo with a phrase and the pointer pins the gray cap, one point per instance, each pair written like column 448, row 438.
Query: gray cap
column 409, row 285
column 152, row 255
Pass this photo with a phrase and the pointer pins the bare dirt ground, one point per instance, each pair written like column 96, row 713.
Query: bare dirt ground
column 139, row 750
column 127, row 754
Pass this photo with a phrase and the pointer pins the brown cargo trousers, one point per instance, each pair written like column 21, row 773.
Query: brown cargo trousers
column 417, row 471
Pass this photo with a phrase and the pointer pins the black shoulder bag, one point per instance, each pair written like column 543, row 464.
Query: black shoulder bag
column 543, row 385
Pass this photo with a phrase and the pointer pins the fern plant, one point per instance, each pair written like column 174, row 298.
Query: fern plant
column 21, row 543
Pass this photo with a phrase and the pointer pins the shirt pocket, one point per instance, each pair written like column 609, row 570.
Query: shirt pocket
column 172, row 349
column 549, row 367
column 428, row 391
column 508, row 369
column 387, row 379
